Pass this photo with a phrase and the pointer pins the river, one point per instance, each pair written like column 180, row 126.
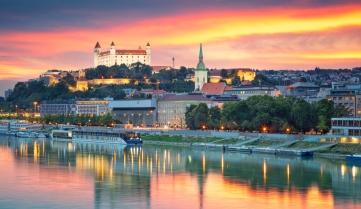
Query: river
column 44, row 174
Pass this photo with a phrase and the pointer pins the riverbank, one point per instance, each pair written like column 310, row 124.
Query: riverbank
column 260, row 145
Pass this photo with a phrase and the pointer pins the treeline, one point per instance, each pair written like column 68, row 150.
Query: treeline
column 25, row 93
column 136, row 71
column 172, row 80
column 91, row 120
column 266, row 114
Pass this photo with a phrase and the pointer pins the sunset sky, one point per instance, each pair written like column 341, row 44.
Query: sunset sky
column 263, row 34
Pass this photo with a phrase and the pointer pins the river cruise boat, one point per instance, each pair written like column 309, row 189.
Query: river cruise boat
column 97, row 135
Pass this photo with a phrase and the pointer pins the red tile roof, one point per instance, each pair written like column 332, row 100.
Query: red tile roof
column 131, row 51
column 213, row 88
column 126, row 52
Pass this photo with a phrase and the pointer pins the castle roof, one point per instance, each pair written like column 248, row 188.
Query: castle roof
column 126, row 52
column 112, row 44
column 97, row 45
column 148, row 44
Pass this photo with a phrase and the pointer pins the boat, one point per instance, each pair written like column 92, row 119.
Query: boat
column 97, row 135
column 4, row 127
column 29, row 134
column 61, row 135
column 105, row 135
column 353, row 159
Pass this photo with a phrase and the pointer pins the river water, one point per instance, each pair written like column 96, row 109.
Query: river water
column 44, row 174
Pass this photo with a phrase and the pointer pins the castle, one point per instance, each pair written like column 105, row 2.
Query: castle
column 115, row 56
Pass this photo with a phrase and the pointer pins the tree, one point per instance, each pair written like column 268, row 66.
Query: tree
column 189, row 117
column 303, row 116
column 214, row 118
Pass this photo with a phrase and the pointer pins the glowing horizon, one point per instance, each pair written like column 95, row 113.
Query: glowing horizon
column 273, row 37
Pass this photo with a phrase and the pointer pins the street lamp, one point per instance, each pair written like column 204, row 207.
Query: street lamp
column 264, row 129
column 288, row 130
column 35, row 104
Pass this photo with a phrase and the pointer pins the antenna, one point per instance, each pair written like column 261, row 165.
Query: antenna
column 173, row 59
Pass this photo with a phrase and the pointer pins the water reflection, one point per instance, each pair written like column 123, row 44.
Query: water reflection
column 107, row 176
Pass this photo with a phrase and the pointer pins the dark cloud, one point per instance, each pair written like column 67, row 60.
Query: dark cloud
column 47, row 14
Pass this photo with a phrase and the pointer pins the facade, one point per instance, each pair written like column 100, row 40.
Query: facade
column 115, row 56
column 172, row 108
column 52, row 77
column 244, row 93
column 350, row 99
column 303, row 89
column 140, row 112
column 92, row 107
column 7, row 93
column 56, row 109
column 246, row 74
column 200, row 73
column 347, row 126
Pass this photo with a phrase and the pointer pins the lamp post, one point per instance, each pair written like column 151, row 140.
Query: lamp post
column 35, row 105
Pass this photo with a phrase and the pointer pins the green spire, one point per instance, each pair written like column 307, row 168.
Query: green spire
column 200, row 65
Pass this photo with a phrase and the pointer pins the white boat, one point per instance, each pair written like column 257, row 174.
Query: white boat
column 106, row 135
column 61, row 135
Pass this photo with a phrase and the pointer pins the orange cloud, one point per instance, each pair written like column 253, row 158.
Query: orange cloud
column 178, row 35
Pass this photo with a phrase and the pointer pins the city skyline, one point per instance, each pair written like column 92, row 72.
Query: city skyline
column 45, row 35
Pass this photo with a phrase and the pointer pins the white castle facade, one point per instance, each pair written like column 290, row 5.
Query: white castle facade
column 115, row 56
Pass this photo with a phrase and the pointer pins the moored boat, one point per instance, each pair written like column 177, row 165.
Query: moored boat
column 353, row 159
column 97, row 135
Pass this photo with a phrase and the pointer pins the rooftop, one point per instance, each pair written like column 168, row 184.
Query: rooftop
column 213, row 88
column 184, row 97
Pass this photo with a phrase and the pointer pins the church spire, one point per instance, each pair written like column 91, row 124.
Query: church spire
column 200, row 65
column 200, row 53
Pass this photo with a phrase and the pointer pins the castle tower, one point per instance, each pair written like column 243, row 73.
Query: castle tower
column 112, row 57
column 97, row 50
column 148, row 54
column 200, row 73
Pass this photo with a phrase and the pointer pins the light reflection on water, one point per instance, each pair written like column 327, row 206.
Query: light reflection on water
column 41, row 174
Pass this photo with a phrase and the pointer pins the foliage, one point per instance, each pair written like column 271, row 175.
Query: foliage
column 91, row 120
column 200, row 116
column 265, row 113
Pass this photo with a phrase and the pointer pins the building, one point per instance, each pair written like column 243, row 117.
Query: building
column 350, row 99
column 303, row 89
column 213, row 88
column 92, row 107
column 246, row 74
column 346, row 126
column 7, row 93
column 172, row 108
column 52, row 77
column 244, row 93
column 139, row 112
column 200, row 73
column 115, row 56
column 158, row 68
column 56, row 109
column 214, row 76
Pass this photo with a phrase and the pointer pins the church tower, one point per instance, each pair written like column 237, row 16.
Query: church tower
column 201, row 73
